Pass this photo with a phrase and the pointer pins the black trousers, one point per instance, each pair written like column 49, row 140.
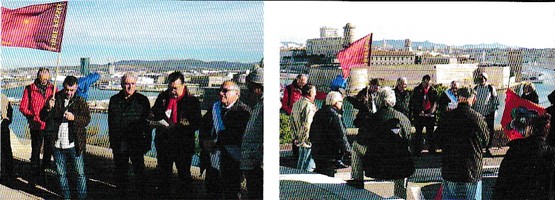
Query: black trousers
column 6, row 151
column 174, row 150
column 325, row 167
column 490, row 119
column 37, row 139
column 255, row 183
column 121, row 162
column 419, row 124
column 226, row 182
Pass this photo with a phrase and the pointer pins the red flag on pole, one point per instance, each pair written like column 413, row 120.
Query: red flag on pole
column 38, row 26
column 358, row 53
column 513, row 101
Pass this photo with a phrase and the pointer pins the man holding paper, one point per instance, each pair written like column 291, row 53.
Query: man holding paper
column 178, row 116
column 221, row 134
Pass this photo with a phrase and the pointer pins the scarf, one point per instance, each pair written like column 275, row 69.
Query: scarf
column 172, row 105
column 41, row 87
column 426, row 102
column 217, row 118
column 454, row 100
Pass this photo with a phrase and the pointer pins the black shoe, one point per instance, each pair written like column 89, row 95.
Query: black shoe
column 488, row 154
column 359, row 184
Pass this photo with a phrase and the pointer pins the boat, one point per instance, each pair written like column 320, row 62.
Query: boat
column 534, row 78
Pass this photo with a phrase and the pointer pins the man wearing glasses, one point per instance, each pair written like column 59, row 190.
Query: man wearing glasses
column 223, row 127
column 178, row 116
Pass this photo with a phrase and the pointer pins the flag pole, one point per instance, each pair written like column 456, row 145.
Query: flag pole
column 56, row 74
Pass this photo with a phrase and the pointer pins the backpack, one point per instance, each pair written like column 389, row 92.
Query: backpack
column 338, row 82
column 388, row 156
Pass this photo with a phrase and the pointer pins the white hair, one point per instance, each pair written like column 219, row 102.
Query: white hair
column 386, row 97
column 131, row 75
column 333, row 97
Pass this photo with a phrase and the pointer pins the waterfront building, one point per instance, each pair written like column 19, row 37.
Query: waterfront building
column 328, row 47
column 515, row 58
column 85, row 66
column 382, row 57
column 438, row 60
column 326, row 32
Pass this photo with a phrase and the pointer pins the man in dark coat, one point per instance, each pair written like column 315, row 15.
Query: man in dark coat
column 66, row 118
column 130, row 135
column 6, row 160
column 252, row 147
column 328, row 135
column 551, row 110
column 385, row 141
column 423, row 106
column 527, row 168
column 463, row 133
column 177, row 117
column 221, row 135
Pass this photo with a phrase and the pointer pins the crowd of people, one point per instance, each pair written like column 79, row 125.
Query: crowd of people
column 459, row 122
column 230, row 135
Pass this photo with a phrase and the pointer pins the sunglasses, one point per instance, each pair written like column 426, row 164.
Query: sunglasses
column 225, row 90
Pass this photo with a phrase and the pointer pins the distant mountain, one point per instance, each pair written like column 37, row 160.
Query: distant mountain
column 192, row 63
column 428, row 45
column 181, row 64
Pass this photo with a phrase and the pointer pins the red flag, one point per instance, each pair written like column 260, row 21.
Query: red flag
column 513, row 101
column 358, row 53
column 38, row 26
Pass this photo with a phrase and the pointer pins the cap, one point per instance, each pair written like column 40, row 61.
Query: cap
column 257, row 76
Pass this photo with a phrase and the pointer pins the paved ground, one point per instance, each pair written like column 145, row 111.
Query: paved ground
column 423, row 184
column 99, row 170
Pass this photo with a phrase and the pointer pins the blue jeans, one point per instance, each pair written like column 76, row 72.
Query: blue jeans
column 305, row 160
column 461, row 190
column 62, row 158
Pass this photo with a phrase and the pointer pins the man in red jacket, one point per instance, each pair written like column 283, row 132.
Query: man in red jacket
column 34, row 98
column 292, row 93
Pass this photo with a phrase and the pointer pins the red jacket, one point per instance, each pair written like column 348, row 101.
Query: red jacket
column 31, row 104
column 291, row 94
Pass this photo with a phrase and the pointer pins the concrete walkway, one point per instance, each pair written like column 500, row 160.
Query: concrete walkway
column 99, row 170
column 423, row 184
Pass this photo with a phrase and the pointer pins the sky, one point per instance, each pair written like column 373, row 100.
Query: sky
column 106, row 31
column 453, row 23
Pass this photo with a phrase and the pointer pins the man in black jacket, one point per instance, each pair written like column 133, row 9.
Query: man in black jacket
column 177, row 116
column 463, row 133
column 130, row 135
column 423, row 106
column 223, row 127
column 328, row 135
column 66, row 117
column 6, row 160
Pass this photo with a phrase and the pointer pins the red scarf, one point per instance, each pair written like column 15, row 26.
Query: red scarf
column 172, row 105
column 426, row 101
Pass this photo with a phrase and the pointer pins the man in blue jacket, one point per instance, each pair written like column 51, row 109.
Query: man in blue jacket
column 85, row 83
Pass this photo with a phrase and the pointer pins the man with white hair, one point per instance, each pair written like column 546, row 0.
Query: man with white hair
column 396, row 162
column 328, row 135
column 130, row 135
column 221, row 134
column 402, row 97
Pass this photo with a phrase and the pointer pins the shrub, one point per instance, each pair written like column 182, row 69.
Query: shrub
column 284, row 129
